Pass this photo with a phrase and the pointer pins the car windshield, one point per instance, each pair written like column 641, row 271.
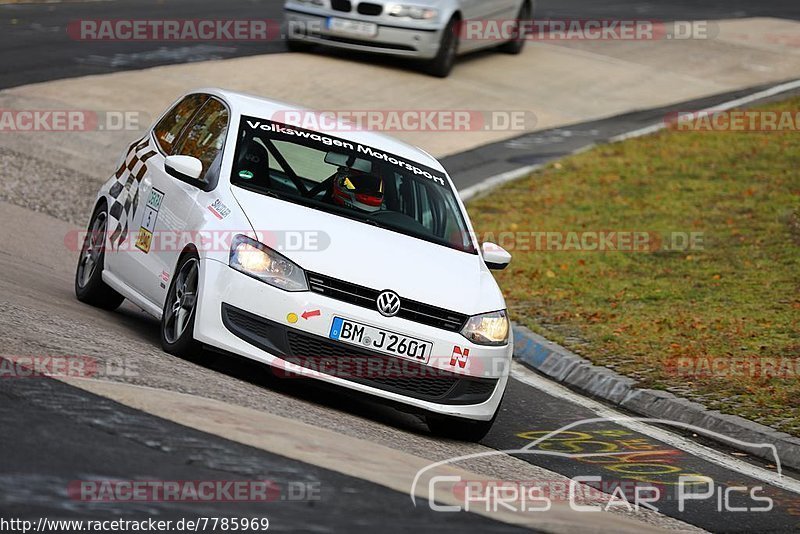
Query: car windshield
column 350, row 180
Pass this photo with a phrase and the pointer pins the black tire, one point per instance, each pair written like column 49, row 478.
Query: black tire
column 180, row 306
column 296, row 45
column 89, row 285
column 458, row 428
column 516, row 45
column 445, row 59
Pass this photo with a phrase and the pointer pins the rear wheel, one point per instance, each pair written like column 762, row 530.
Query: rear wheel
column 517, row 44
column 442, row 64
column 457, row 428
column 177, row 319
column 89, row 285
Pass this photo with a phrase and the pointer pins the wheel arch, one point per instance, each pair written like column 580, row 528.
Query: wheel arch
column 190, row 248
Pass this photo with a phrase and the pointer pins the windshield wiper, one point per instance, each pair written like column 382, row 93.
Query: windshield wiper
column 373, row 222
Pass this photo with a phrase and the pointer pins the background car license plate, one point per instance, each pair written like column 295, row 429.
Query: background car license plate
column 353, row 27
column 380, row 340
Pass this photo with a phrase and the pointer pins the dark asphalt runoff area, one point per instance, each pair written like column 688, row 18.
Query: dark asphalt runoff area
column 53, row 434
column 56, row 436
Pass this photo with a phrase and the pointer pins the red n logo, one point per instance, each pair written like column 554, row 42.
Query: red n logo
column 459, row 357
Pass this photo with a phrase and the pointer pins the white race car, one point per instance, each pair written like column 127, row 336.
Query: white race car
column 348, row 258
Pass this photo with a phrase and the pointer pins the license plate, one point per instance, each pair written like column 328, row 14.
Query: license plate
column 380, row 340
column 352, row 27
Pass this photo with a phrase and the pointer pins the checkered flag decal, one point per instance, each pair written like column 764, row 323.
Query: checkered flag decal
column 128, row 176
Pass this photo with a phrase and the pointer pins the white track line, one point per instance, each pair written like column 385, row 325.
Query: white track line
column 499, row 179
column 528, row 377
column 766, row 93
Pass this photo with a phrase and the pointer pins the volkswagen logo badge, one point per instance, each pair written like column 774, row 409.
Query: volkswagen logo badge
column 388, row 303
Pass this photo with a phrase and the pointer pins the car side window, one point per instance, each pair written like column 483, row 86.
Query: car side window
column 205, row 136
column 169, row 128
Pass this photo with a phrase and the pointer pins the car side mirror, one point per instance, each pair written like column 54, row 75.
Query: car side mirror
column 496, row 257
column 183, row 167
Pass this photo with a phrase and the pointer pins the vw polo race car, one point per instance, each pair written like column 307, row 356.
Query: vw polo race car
column 427, row 30
column 343, row 256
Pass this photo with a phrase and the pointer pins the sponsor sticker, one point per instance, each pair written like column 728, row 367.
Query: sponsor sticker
column 318, row 141
column 145, row 238
column 459, row 357
column 219, row 209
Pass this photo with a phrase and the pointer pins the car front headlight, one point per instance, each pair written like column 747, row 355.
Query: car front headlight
column 487, row 329
column 259, row 261
column 413, row 12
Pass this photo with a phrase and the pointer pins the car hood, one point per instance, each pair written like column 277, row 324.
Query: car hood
column 373, row 257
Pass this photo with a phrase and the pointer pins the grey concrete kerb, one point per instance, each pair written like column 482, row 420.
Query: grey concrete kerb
column 575, row 372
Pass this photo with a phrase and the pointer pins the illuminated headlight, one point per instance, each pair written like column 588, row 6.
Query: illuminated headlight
column 259, row 261
column 487, row 329
column 413, row 12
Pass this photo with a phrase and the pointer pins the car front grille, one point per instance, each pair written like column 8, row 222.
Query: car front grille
column 385, row 372
column 368, row 8
column 353, row 364
column 367, row 298
column 342, row 5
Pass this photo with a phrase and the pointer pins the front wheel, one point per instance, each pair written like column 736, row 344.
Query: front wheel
column 457, row 428
column 442, row 64
column 177, row 319
column 89, row 285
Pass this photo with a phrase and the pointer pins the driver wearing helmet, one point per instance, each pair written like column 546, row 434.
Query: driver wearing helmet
column 359, row 190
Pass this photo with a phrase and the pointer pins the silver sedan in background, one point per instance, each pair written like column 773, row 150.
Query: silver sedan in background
column 428, row 30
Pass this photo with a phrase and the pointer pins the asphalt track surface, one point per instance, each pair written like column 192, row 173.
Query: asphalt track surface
column 79, row 436
column 471, row 167
column 54, row 433
column 36, row 46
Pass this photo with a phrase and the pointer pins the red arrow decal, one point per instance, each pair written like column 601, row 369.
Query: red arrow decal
column 308, row 314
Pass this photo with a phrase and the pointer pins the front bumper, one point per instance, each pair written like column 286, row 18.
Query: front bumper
column 241, row 315
column 421, row 43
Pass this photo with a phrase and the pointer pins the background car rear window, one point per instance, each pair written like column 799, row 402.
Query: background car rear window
column 170, row 127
